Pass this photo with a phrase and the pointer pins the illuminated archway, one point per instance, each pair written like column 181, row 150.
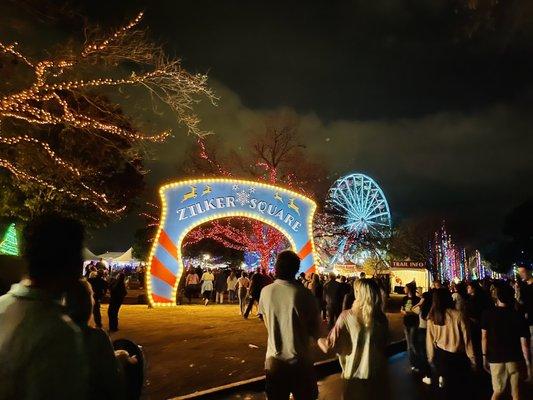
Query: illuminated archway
column 188, row 204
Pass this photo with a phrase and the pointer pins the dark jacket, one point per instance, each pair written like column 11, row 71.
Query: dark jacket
column 257, row 283
column 221, row 282
column 99, row 286
column 333, row 294
column 118, row 292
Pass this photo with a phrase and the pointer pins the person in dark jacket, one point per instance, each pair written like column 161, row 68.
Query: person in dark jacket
column 349, row 297
column 315, row 286
column 333, row 296
column 345, row 291
column 117, row 293
column 181, row 289
column 525, row 294
column 105, row 374
column 410, row 322
column 221, row 285
column 477, row 302
column 258, row 281
column 99, row 288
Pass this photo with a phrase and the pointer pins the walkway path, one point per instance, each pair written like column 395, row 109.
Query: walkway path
column 404, row 386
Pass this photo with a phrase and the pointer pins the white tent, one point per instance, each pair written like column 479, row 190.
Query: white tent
column 88, row 255
column 126, row 257
column 110, row 255
column 119, row 258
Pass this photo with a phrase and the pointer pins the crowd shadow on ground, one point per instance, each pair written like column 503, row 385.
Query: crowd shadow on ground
column 404, row 385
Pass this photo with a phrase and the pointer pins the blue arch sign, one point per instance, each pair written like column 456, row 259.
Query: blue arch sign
column 188, row 204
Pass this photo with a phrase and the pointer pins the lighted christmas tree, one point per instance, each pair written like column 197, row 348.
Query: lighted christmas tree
column 9, row 244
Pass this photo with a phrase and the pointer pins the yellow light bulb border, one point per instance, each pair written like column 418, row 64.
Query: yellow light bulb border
column 219, row 215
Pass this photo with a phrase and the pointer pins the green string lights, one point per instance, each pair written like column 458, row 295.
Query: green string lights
column 10, row 244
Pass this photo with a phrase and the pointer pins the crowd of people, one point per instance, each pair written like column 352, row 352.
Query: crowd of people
column 216, row 285
column 452, row 332
column 48, row 349
column 134, row 276
column 454, row 329
column 333, row 292
column 101, row 283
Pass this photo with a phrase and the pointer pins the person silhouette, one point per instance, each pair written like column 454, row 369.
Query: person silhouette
column 41, row 349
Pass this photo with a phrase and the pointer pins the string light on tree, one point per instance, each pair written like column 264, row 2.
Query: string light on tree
column 9, row 244
column 452, row 261
column 52, row 98
column 272, row 159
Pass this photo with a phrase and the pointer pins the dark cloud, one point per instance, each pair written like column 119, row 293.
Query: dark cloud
column 470, row 168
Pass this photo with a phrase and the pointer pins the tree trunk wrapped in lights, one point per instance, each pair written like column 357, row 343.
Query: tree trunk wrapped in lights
column 249, row 236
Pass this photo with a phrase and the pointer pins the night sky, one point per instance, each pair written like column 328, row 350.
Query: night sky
column 433, row 102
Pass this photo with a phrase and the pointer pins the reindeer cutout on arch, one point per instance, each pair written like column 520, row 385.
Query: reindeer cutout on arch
column 293, row 206
column 207, row 190
column 189, row 195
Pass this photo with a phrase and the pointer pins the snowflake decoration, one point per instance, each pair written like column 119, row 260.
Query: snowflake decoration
column 235, row 187
column 243, row 197
column 252, row 190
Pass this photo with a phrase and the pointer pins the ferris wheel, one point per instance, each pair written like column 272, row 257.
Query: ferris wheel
column 362, row 211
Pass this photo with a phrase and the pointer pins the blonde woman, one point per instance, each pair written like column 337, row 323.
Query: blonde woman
column 359, row 338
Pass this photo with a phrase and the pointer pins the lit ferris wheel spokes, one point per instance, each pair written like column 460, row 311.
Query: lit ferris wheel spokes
column 361, row 205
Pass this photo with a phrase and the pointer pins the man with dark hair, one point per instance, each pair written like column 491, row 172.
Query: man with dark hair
column 99, row 287
column 41, row 349
column 292, row 318
column 287, row 265
column 221, row 286
column 423, row 307
column 505, row 343
column 302, row 279
column 344, row 292
column 333, row 296
column 257, row 283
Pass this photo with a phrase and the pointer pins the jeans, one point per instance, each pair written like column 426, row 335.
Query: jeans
column 251, row 302
column 97, row 315
column 411, row 338
column 112, row 313
column 189, row 292
column 243, row 293
column 219, row 297
column 454, row 368
column 421, row 352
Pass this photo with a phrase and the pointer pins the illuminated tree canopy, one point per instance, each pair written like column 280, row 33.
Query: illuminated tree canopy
column 63, row 133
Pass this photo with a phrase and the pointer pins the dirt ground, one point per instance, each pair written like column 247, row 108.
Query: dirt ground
column 193, row 347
